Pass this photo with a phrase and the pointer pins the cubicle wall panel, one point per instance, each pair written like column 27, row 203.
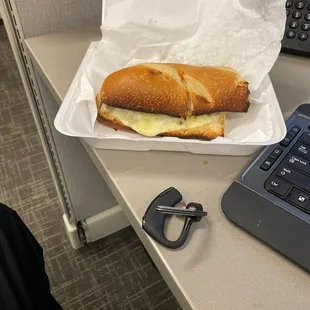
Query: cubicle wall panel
column 88, row 192
column 82, row 188
column 48, row 16
column 15, row 35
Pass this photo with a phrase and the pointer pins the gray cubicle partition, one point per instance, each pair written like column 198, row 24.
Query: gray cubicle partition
column 81, row 189
column 40, row 17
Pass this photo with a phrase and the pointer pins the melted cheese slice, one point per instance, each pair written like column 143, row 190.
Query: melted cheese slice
column 149, row 124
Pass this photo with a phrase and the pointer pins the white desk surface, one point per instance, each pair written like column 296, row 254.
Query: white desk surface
column 222, row 267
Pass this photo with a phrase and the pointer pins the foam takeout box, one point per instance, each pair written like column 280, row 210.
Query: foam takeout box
column 248, row 39
column 118, row 141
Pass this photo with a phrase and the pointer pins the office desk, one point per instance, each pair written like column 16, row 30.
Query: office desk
column 222, row 267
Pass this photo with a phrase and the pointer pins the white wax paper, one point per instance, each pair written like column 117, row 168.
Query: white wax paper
column 243, row 34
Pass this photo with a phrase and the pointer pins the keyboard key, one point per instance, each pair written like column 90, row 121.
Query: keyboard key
column 302, row 36
column 297, row 15
column 291, row 34
column 294, row 130
column 287, row 140
column 294, row 24
column 307, row 17
column 276, row 153
column 289, row 3
column 277, row 186
column 299, row 5
column 297, row 163
column 305, row 26
column 302, row 150
column 267, row 164
column 305, row 138
column 287, row 173
column 301, row 199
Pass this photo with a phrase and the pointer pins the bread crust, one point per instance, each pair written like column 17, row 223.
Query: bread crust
column 176, row 90
column 215, row 89
column 144, row 88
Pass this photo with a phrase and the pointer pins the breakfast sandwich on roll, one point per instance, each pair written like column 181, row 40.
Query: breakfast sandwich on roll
column 159, row 99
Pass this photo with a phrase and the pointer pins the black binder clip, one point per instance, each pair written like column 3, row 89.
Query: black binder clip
column 153, row 221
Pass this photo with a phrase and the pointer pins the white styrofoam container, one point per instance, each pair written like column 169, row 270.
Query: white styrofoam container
column 140, row 143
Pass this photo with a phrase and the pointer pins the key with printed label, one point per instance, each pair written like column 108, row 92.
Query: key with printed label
column 267, row 164
column 294, row 130
column 287, row 140
column 301, row 149
column 293, row 176
column 276, row 152
column 277, row 186
column 298, row 163
column 301, row 199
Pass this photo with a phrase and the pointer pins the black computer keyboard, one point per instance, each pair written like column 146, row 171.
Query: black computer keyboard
column 291, row 178
column 271, row 198
column 296, row 39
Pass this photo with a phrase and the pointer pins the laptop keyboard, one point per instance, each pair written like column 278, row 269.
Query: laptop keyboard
column 290, row 180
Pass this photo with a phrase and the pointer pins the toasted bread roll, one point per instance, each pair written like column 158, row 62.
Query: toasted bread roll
column 172, row 99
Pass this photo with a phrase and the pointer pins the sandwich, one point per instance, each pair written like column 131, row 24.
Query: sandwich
column 178, row 100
